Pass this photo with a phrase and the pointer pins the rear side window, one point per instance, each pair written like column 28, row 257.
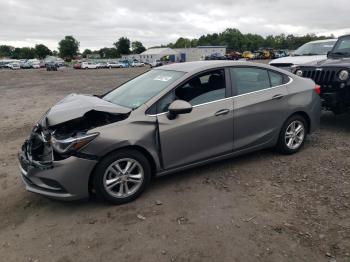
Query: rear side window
column 249, row 79
column 276, row 79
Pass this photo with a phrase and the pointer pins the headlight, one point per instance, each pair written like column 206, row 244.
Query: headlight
column 343, row 75
column 72, row 143
column 299, row 72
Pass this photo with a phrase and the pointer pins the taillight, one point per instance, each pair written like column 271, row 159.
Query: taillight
column 318, row 89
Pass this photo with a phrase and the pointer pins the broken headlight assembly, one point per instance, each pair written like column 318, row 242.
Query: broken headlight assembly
column 72, row 144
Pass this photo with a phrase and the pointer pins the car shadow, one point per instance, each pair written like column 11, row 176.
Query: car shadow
column 212, row 170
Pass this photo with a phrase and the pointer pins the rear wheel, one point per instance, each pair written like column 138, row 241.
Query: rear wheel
column 293, row 135
column 122, row 176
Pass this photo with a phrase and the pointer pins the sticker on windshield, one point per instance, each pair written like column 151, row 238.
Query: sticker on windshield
column 163, row 78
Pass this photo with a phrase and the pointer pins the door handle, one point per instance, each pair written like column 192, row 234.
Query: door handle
column 222, row 112
column 277, row 97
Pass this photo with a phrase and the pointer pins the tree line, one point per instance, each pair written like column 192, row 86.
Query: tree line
column 233, row 39
column 68, row 48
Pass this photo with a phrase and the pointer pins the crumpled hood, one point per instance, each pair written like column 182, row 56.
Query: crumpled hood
column 75, row 106
column 298, row 60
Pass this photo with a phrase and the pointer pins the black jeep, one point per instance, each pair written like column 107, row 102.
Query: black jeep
column 332, row 75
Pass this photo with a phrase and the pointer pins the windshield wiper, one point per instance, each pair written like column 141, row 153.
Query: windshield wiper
column 340, row 53
column 310, row 54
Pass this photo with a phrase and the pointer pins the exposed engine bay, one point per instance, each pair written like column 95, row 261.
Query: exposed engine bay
column 48, row 143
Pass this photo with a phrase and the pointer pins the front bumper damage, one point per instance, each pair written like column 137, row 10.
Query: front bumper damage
column 45, row 172
column 51, row 162
column 66, row 179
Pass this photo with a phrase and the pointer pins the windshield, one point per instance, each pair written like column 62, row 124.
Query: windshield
column 142, row 88
column 315, row 48
column 342, row 47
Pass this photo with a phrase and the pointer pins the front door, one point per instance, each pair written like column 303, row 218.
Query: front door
column 205, row 132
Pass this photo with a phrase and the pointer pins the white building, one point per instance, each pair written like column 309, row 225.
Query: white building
column 153, row 54
column 177, row 54
column 199, row 53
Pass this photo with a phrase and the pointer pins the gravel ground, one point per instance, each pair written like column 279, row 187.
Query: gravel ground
column 258, row 207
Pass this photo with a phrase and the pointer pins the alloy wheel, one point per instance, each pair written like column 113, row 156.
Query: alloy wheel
column 123, row 177
column 295, row 135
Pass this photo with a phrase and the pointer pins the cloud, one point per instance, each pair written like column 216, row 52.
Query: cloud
column 100, row 23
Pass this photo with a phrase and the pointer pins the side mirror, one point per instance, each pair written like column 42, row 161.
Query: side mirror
column 328, row 53
column 179, row 107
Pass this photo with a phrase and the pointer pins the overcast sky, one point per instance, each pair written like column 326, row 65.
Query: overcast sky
column 99, row 23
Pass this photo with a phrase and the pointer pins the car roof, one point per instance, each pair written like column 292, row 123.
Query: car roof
column 344, row 36
column 325, row 40
column 191, row 67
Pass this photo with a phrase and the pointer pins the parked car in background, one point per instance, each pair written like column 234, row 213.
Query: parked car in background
column 234, row 56
column 164, row 121
column 156, row 63
column 14, row 66
column 77, row 65
column 26, row 65
column 51, row 66
column 3, row 64
column 216, row 56
column 258, row 55
column 113, row 64
column 248, row 55
column 333, row 76
column 35, row 65
column 136, row 63
column 124, row 63
column 280, row 53
column 89, row 65
column 102, row 65
column 310, row 52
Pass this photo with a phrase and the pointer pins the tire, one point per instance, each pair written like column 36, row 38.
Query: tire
column 107, row 170
column 289, row 141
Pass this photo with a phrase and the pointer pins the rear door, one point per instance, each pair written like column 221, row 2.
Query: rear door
column 260, row 106
column 205, row 132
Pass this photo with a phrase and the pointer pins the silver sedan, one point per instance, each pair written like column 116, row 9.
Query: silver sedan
column 168, row 119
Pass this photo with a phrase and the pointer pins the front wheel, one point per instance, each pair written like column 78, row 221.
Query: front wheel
column 122, row 176
column 293, row 135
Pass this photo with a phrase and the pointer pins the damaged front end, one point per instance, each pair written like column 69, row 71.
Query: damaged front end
column 57, row 136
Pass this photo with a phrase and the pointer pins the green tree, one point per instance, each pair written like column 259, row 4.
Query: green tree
column 26, row 53
column 182, row 43
column 68, row 47
column 107, row 52
column 86, row 52
column 41, row 51
column 123, row 46
column 137, row 47
column 6, row 50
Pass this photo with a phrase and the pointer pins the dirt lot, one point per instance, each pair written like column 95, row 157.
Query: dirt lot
column 259, row 207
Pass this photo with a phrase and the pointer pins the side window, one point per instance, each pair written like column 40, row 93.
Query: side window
column 165, row 101
column 276, row 79
column 204, row 88
column 249, row 79
column 200, row 89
